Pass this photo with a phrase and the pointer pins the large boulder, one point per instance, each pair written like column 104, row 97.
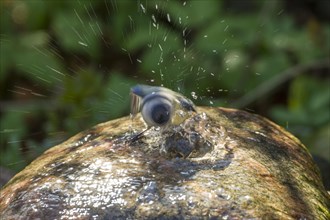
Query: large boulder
column 220, row 163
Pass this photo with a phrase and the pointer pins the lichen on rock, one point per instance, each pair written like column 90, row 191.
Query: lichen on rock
column 219, row 163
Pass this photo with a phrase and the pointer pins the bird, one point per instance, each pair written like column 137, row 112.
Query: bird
column 159, row 106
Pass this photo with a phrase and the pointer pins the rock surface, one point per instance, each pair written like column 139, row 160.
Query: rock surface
column 220, row 163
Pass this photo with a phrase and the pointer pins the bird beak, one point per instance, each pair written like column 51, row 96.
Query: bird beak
column 135, row 104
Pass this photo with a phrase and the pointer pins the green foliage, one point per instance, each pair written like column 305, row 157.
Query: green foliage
column 68, row 65
column 308, row 112
column 11, row 132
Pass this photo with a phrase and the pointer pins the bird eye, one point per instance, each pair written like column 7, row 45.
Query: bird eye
column 156, row 110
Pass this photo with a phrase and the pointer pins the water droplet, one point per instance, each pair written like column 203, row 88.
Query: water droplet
column 193, row 94
column 82, row 43
column 168, row 17
column 143, row 8
column 280, row 12
column 153, row 18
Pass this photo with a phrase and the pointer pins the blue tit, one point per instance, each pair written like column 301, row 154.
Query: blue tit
column 160, row 106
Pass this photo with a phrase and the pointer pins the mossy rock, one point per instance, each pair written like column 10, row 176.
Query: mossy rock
column 219, row 163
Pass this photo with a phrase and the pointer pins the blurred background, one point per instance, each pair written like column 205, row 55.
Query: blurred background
column 69, row 65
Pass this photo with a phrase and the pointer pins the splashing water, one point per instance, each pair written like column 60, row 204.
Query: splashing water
column 89, row 60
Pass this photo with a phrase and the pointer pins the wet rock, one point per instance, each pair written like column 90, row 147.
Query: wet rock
column 219, row 163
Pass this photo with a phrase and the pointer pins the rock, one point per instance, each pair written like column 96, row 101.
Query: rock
column 220, row 163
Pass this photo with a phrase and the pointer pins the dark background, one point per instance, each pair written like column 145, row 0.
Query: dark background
column 68, row 65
